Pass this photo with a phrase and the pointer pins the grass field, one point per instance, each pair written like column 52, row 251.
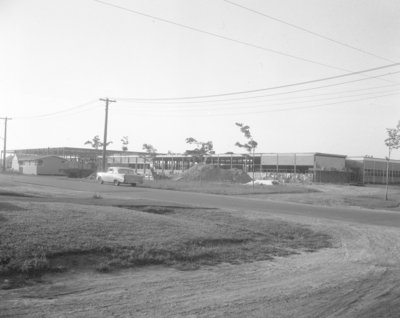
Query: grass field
column 226, row 188
column 369, row 196
column 37, row 237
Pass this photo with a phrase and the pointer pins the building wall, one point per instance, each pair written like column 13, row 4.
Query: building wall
column 287, row 162
column 305, row 160
column 287, row 159
column 28, row 167
column 330, row 163
column 373, row 170
column 51, row 166
column 15, row 164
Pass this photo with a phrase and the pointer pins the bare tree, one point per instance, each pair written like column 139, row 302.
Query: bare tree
column 392, row 142
column 202, row 149
column 250, row 145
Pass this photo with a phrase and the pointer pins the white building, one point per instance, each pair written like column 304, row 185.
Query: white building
column 39, row 165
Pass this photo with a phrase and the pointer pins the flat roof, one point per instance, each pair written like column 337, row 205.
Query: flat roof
column 65, row 151
column 360, row 158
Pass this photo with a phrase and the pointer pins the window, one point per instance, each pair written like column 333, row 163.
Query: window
column 126, row 171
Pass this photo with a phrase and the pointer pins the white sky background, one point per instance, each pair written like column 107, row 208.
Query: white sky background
column 58, row 55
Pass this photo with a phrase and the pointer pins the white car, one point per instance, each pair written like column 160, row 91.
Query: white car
column 120, row 175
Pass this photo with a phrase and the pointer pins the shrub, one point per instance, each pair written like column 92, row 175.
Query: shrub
column 78, row 173
column 36, row 264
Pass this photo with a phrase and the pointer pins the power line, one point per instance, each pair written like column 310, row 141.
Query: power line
column 318, row 106
column 221, row 36
column 160, row 100
column 267, row 95
column 247, row 112
column 308, row 31
column 260, row 98
column 58, row 112
column 273, row 103
column 272, row 87
column 68, row 114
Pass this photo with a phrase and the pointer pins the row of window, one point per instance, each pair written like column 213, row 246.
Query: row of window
column 381, row 173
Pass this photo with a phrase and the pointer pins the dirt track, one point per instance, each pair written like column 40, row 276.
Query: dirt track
column 358, row 278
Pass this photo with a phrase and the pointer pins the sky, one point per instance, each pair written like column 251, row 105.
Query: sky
column 191, row 68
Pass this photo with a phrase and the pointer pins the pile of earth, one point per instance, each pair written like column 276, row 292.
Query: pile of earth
column 213, row 173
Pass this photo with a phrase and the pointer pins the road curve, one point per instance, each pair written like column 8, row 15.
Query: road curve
column 359, row 278
column 238, row 202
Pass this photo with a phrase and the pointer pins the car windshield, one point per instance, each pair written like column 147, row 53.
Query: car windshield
column 126, row 171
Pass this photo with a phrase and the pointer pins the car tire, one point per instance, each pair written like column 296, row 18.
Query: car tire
column 100, row 180
column 116, row 183
column 133, row 184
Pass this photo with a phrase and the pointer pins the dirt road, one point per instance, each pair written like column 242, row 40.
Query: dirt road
column 360, row 277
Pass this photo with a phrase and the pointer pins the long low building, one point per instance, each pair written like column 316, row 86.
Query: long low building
column 373, row 170
column 287, row 167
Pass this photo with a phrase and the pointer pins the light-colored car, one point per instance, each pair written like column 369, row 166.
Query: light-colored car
column 120, row 175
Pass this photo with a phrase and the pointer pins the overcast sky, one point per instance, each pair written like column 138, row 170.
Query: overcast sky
column 57, row 58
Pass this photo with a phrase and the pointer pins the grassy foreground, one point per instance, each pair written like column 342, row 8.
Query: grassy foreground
column 37, row 237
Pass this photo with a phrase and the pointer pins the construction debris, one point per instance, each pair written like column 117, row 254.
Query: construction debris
column 213, row 173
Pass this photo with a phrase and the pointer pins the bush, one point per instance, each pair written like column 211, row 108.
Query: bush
column 78, row 173
column 103, row 268
column 37, row 264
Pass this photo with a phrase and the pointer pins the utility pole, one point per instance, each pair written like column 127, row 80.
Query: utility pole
column 5, row 141
column 107, row 100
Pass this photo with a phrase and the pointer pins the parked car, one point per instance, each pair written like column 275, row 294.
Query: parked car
column 120, row 175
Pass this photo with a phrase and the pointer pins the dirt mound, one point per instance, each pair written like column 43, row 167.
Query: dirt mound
column 210, row 173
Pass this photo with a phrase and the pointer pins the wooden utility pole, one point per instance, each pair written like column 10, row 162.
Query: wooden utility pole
column 107, row 100
column 5, row 141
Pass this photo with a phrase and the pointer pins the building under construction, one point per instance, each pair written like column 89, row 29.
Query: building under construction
column 287, row 167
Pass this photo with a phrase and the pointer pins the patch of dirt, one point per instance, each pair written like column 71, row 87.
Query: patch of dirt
column 358, row 278
column 213, row 173
column 6, row 206
column 16, row 194
column 160, row 209
column 369, row 197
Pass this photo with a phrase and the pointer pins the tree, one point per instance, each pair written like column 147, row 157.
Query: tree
column 250, row 145
column 149, row 149
column 151, row 153
column 95, row 142
column 202, row 149
column 125, row 143
column 392, row 142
